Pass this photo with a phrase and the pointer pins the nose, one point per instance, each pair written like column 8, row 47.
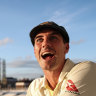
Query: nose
column 46, row 43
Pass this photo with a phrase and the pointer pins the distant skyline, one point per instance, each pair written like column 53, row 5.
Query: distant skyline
column 18, row 17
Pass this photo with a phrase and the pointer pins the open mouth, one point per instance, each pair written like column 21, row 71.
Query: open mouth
column 46, row 55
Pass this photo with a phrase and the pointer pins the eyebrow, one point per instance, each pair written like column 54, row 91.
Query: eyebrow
column 55, row 33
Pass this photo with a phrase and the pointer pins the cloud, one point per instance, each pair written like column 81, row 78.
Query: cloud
column 77, row 42
column 5, row 41
column 28, row 57
column 63, row 17
column 23, row 63
column 24, row 68
column 30, row 75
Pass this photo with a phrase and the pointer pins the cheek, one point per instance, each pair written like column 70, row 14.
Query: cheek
column 62, row 50
column 36, row 50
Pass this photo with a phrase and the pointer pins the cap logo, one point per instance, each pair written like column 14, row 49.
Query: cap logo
column 44, row 23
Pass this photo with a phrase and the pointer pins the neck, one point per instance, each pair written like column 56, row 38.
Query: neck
column 52, row 76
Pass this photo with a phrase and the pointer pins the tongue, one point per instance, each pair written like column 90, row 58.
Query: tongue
column 48, row 57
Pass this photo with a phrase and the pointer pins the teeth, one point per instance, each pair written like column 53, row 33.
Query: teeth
column 46, row 53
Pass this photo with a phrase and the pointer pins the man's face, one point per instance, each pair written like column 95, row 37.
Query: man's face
column 50, row 49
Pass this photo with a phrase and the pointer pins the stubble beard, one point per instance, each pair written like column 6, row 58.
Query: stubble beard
column 48, row 65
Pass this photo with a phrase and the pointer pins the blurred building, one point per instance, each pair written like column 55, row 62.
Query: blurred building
column 11, row 82
column 24, row 83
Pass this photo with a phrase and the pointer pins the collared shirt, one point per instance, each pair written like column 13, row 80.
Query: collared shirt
column 74, row 80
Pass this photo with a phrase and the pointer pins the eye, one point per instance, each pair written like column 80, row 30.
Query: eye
column 52, row 38
column 38, row 40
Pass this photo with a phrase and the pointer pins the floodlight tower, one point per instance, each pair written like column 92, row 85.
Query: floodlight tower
column 2, row 69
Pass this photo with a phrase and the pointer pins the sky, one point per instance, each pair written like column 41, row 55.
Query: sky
column 18, row 17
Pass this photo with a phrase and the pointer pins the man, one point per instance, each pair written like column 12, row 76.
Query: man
column 61, row 76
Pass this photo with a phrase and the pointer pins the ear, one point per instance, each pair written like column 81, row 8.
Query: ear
column 66, row 47
column 34, row 50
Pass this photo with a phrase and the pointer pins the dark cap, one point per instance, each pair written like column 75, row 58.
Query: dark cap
column 49, row 25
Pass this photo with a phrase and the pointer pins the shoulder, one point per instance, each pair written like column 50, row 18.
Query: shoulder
column 83, row 71
column 87, row 65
